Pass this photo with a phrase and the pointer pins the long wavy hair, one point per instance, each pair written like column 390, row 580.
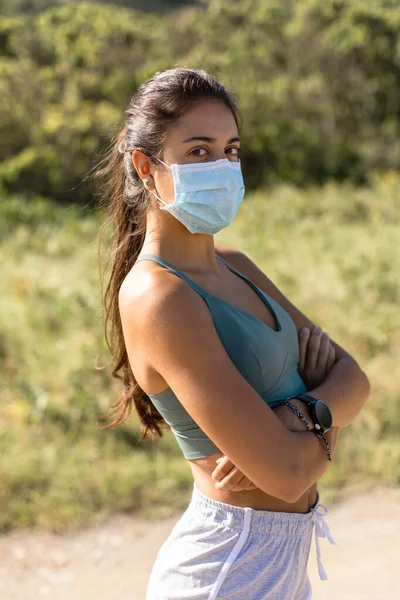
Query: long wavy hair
column 156, row 106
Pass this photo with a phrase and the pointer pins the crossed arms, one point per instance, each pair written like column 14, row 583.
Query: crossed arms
column 328, row 371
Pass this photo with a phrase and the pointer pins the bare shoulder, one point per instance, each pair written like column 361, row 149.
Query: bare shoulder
column 151, row 295
column 155, row 308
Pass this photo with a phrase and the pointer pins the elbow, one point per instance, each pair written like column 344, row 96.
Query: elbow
column 367, row 385
column 295, row 489
column 287, row 488
column 294, row 483
column 292, row 491
column 364, row 391
column 364, row 384
column 299, row 478
column 292, row 495
column 289, row 492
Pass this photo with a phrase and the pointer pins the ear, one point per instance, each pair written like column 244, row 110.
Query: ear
column 142, row 165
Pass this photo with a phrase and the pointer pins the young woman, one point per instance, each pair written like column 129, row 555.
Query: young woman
column 210, row 346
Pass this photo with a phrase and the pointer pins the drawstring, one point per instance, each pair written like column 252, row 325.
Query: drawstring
column 321, row 531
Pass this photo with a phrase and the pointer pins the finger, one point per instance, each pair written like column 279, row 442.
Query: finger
column 223, row 468
column 231, row 480
column 225, row 465
column 248, row 483
column 244, row 485
column 313, row 348
column 252, row 486
column 331, row 358
column 323, row 352
column 304, row 335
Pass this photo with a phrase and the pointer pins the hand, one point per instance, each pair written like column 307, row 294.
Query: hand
column 317, row 356
column 229, row 478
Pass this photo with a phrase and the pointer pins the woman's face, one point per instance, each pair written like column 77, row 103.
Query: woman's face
column 187, row 143
column 206, row 132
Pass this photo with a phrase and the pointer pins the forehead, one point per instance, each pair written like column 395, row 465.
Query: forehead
column 210, row 118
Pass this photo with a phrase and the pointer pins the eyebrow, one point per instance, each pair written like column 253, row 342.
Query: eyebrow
column 204, row 138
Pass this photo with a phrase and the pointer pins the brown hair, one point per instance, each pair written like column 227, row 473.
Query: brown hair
column 155, row 107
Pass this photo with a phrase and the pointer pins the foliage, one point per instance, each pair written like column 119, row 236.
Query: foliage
column 15, row 7
column 74, row 66
column 333, row 251
column 317, row 83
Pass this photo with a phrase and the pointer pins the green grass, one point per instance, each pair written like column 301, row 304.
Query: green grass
column 334, row 251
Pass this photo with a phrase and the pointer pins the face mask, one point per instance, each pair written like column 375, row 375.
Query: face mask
column 207, row 195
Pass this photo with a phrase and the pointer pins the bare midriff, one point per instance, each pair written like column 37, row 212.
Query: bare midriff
column 257, row 499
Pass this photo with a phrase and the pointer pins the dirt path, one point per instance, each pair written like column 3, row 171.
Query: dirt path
column 113, row 561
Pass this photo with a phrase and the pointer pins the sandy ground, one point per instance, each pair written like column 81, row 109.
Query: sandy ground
column 113, row 561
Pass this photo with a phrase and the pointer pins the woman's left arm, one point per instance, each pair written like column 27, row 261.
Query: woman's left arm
column 346, row 387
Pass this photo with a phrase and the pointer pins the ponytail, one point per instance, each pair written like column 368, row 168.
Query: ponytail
column 126, row 206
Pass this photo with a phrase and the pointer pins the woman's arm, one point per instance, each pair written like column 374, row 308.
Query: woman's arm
column 172, row 325
column 345, row 390
column 347, row 387
column 228, row 477
column 316, row 359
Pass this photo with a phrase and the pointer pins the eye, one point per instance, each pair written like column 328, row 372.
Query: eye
column 235, row 148
column 197, row 150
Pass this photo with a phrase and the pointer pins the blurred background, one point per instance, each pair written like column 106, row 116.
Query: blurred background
column 318, row 84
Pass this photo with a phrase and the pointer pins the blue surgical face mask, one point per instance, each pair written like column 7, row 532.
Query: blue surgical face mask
column 207, row 195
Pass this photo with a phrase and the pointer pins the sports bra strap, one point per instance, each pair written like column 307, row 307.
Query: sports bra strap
column 177, row 272
column 231, row 268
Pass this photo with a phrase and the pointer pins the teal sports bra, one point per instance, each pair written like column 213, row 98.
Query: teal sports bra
column 267, row 358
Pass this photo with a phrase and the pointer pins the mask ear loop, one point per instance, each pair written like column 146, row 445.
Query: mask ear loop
column 161, row 161
column 151, row 191
column 158, row 198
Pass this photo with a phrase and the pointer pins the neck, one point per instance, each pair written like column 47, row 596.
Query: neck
column 190, row 252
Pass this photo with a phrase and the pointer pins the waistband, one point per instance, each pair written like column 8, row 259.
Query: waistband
column 258, row 521
column 265, row 521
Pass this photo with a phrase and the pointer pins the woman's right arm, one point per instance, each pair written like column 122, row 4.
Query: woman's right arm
column 173, row 326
